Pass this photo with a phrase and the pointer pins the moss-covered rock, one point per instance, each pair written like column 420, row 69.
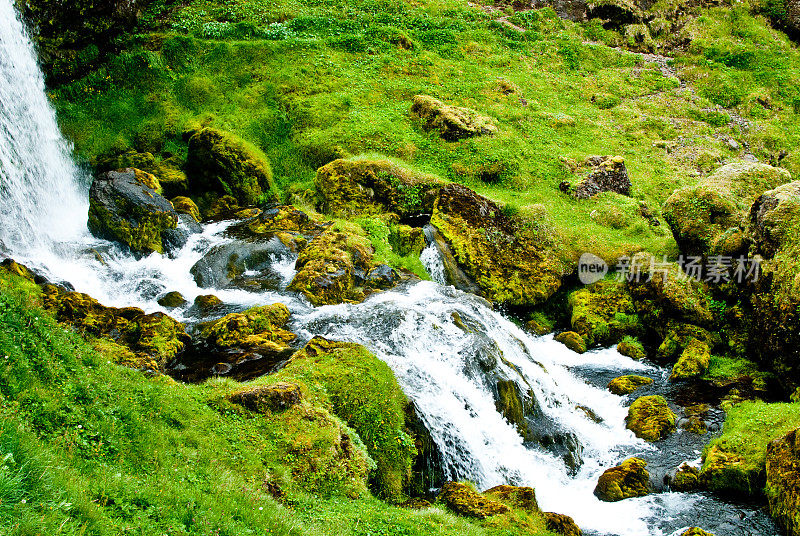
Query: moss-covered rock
column 406, row 240
column 650, row 418
column 693, row 362
column 275, row 397
column 172, row 300
column 686, row 479
column 221, row 162
column 125, row 206
column 627, row 480
column 605, row 174
column 512, row 260
column 694, row 531
column 632, row 348
column 709, row 218
column 561, row 524
column 374, row 186
column 464, row 500
column 783, row 481
column 256, row 330
column 572, row 340
column 207, row 303
column 603, row 313
column 515, row 496
column 450, row 122
column 184, row 205
column 680, row 337
column 154, row 339
column 728, row 473
column 171, row 178
column 625, row 385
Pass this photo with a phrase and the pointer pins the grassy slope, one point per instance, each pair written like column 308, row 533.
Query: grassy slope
column 311, row 80
column 91, row 448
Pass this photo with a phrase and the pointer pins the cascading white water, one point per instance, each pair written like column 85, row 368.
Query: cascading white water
column 40, row 186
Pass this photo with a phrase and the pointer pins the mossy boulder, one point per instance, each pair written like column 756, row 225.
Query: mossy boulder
column 172, row 300
column 374, row 186
column 452, row 123
column 709, row 218
column 513, row 260
column 464, row 500
column 221, row 162
column 522, row 497
column 627, row 480
column 207, row 303
column 603, row 313
column 258, row 330
column 275, row 397
column 561, row 524
column 572, row 340
column 293, row 227
column 625, row 385
column 632, row 348
column 783, row 481
column 184, row 205
column 154, row 339
column 693, row 362
column 694, row 531
column 680, row 337
column 728, row 473
column 406, row 240
column 651, row 418
column 168, row 171
column 686, row 479
column 125, row 206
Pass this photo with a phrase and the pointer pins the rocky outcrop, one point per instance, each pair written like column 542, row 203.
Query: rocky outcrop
column 629, row 479
column 561, row 524
column 710, row 217
column 625, row 385
column 783, row 481
column 464, row 500
column 450, row 122
column 374, row 186
column 605, row 174
column 650, row 418
column 276, row 397
column 512, row 260
column 125, row 206
column 221, row 162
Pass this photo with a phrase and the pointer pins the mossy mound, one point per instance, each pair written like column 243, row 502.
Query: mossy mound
column 258, row 330
column 154, row 339
column 512, row 260
column 625, row 385
column 374, row 186
column 730, row 474
column 452, row 123
column 464, row 500
column 515, row 496
column 361, row 390
column 627, row 480
column 572, row 340
column 276, row 397
column 561, row 524
column 632, row 348
column 221, row 162
column 603, row 313
column 693, row 362
column 783, row 481
column 686, row 479
column 709, row 218
column 680, row 337
column 125, row 206
column 650, row 418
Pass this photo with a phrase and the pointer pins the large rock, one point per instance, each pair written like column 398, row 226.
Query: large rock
column 727, row 473
column 650, row 418
column 464, row 500
column 606, row 174
column 125, row 206
column 630, row 479
column 686, row 479
column 511, row 260
column 451, row 122
column 374, row 186
column 221, row 162
column 783, row 481
column 709, row 218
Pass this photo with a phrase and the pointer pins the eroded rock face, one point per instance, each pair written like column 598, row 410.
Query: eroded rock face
column 783, row 481
column 650, row 418
column 451, row 122
column 220, row 162
column 368, row 186
column 465, row 501
column 125, row 206
column 509, row 259
column 709, row 218
column 606, row 174
column 630, row 479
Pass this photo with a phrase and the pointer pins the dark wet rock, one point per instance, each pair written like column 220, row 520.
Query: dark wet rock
column 242, row 264
column 561, row 524
column 125, row 206
column 572, row 340
column 650, row 418
column 220, row 162
column 464, row 500
column 374, row 186
column 276, row 397
column 625, row 385
column 172, row 300
column 630, row 479
column 382, row 277
column 512, row 260
column 450, row 122
column 606, row 174
column 175, row 239
column 783, row 481
column 686, row 479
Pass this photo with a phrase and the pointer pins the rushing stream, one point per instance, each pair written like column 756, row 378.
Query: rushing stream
column 447, row 348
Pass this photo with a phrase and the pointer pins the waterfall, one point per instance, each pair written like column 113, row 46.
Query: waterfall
column 40, row 185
